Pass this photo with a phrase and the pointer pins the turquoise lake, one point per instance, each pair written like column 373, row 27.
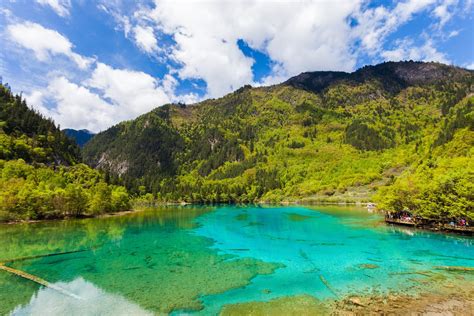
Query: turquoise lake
column 196, row 259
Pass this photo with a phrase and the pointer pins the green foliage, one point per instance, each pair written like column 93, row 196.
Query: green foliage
column 319, row 137
column 26, row 134
column 28, row 192
column 440, row 187
column 364, row 137
column 40, row 176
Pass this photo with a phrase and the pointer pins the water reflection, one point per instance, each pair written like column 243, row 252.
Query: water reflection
column 200, row 258
column 92, row 301
column 150, row 258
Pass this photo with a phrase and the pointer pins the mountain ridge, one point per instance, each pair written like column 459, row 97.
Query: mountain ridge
column 318, row 136
column 400, row 73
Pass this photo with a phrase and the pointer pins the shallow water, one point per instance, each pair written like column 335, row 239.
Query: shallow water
column 198, row 259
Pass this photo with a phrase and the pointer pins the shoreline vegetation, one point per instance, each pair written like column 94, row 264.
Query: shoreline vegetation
column 399, row 134
column 433, row 226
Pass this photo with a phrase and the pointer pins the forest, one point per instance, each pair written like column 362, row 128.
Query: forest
column 399, row 134
column 41, row 174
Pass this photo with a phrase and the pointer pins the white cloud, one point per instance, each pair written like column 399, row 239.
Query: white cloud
column 375, row 24
column 61, row 7
column 407, row 50
column 44, row 42
column 36, row 100
column 444, row 11
column 75, row 106
column 299, row 36
column 93, row 300
column 109, row 96
column 469, row 66
column 133, row 91
column 145, row 38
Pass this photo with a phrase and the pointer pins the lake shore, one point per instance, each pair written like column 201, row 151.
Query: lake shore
column 448, row 298
column 433, row 226
column 452, row 300
column 142, row 207
column 31, row 221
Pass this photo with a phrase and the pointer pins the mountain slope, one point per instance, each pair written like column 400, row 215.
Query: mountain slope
column 40, row 173
column 318, row 136
column 26, row 134
column 81, row 137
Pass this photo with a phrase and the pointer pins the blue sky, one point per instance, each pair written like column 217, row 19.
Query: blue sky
column 91, row 64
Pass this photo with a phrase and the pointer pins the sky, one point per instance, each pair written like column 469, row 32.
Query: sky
column 91, row 64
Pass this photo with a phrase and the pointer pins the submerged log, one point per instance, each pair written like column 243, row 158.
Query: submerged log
column 455, row 268
column 425, row 273
column 326, row 283
column 42, row 256
column 38, row 280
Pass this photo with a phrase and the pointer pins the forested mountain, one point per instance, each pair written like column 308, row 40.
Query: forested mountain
column 320, row 136
column 26, row 134
column 81, row 137
column 40, row 171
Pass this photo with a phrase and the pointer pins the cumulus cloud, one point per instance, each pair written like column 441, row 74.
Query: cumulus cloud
column 93, row 301
column 375, row 24
column 61, row 7
column 407, row 50
column 74, row 106
column 145, row 38
column 134, row 91
column 36, row 101
column 44, row 42
column 298, row 36
column 199, row 40
column 109, row 96
column 444, row 11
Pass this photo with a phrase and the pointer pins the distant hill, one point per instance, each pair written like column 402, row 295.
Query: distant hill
column 320, row 136
column 81, row 137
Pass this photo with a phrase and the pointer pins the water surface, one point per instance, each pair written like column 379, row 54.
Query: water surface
column 198, row 259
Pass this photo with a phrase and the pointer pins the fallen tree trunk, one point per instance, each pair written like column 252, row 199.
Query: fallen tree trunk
column 454, row 268
column 38, row 280
column 42, row 256
column 326, row 283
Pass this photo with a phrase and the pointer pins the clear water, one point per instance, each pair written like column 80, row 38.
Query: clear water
column 198, row 259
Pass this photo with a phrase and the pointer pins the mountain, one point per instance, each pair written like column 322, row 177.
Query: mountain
column 320, row 136
column 41, row 176
column 28, row 135
column 81, row 137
